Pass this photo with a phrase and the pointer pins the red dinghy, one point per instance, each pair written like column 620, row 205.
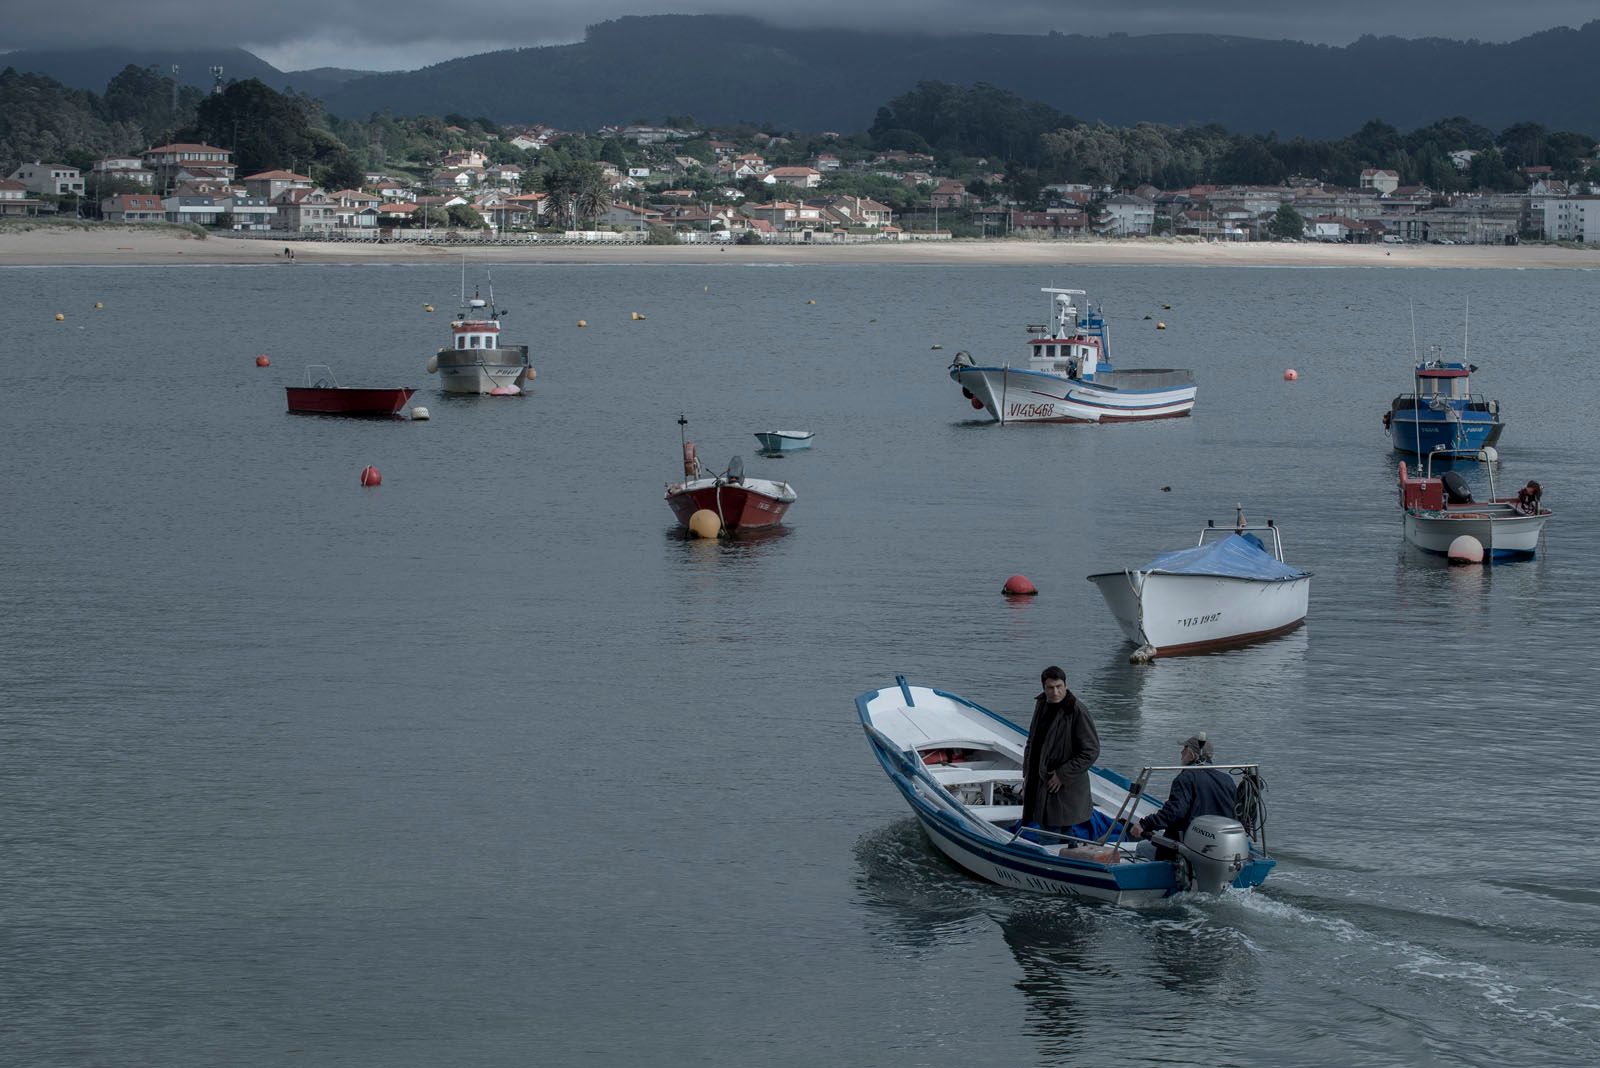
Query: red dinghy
column 740, row 503
column 323, row 395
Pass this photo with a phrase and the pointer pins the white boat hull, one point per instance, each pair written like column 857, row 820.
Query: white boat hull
column 1503, row 532
column 1012, row 395
column 1178, row 614
column 480, row 378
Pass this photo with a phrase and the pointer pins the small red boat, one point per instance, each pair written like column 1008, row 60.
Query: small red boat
column 323, row 395
column 740, row 503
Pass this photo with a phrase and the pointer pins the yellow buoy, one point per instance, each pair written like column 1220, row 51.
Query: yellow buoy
column 637, row 317
column 427, row 307
column 530, row 374
column 1161, row 326
column 1166, row 307
column 583, row 322
column 98, row 305
column 810, row 302
column 60, row 318
column 705, row 524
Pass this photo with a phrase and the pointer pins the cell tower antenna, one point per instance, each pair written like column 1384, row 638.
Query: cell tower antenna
column 216, row 80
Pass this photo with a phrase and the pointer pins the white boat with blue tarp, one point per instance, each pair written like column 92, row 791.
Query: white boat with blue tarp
column 1231, row 587
column 959, row 766
column 1068, row 377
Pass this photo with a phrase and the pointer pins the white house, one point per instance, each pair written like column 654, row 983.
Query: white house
column 128, row 168
column 801, row 177
column 1572, row 219
column 1127, row 215
column 55, row 179
column 1381, row 180
column 14, row 199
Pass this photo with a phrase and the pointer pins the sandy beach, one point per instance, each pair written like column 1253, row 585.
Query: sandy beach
column 45, row 246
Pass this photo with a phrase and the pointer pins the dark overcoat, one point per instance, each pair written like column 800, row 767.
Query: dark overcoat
column 1071, row 745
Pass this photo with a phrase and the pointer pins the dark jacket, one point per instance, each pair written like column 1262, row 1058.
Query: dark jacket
column 1197, row 791
column 1069, row 746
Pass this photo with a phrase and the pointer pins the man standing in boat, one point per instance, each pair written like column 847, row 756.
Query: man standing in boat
column 1062, row 744
column 1197, row 790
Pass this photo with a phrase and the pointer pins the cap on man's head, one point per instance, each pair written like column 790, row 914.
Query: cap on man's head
column 1198, row 745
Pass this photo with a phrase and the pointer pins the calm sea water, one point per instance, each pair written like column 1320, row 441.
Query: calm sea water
column 488, row 766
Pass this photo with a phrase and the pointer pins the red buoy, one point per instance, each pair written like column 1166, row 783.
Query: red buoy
column 1019, row 586
column 370, row 476
column 262, row 361
column 1290, row 375
column 978, row 404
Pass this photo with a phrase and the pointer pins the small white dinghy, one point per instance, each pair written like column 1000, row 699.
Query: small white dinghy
column 959, row 766
column 1232, row 587
column 784, row 440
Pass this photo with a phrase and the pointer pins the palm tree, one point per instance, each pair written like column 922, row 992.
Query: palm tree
column 593, row 195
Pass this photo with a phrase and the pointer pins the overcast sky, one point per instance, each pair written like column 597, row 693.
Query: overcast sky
column 405, row 34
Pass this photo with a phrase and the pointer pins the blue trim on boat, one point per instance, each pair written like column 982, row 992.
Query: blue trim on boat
column 906, row 690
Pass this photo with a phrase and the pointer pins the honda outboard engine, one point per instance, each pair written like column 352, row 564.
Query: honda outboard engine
column 1216, row 849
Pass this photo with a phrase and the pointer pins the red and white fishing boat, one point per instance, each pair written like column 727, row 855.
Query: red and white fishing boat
column 476, row 361
column 739, row 502
column 323, row 395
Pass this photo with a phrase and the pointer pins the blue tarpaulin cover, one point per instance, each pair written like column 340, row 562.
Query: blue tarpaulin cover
column 1231, row 557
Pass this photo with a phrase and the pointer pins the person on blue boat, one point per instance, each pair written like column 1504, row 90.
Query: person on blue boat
column 1062, row 745
column 1198, row 790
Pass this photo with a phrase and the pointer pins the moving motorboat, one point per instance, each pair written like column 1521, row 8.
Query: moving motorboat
column 1442, row 412
column 739, row 501
column 784, row 440
column 1068, row 378
column 1437, row 510
column 476, row 361
column 1229, row 588
column 959, row 766
column 323, row 395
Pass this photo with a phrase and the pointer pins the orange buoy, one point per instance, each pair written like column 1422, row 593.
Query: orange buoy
column 1290, row 375
column 1019, row 586
column 262, row 361
column 370, row 476
column 978, row 404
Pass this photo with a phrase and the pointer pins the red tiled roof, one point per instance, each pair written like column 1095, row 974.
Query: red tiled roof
column 275, row 176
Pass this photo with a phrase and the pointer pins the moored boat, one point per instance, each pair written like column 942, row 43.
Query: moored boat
column 959, row 766
column 1442, row 412
column 1068, row 377
column 476, row 361
column 1230, row 588
column 1437, row 510
column 784, row 440
column 323, row 395
column 739, row 501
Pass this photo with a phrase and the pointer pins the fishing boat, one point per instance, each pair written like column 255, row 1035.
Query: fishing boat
column 475, row 361
column 1229, row 588
column 1068, row 378
column 1442, row 412
column 1437, row 510
column 323, row 395
column 739, row 501
column 959, row 766
column 784, row 440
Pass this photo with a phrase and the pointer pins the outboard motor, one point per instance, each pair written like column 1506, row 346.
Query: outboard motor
column 735, row 470
column 1216, row 849
column 1456, row 488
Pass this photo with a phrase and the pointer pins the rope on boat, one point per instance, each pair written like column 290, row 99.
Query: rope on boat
column 1249, row 807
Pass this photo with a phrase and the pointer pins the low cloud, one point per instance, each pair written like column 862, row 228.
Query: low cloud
column 405, row 34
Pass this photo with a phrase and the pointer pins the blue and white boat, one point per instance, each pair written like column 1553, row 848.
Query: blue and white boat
column 1068, row 377
column 784, row 440
column 959, row 766
column 1442, row 413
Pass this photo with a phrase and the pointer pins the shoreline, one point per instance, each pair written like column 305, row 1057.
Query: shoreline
column 45, row 247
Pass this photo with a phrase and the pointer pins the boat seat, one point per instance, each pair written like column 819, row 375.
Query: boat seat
column 956, row 775
column 996, row 813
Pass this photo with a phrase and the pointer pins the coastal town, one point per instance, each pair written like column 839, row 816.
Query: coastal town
column 669, row 184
